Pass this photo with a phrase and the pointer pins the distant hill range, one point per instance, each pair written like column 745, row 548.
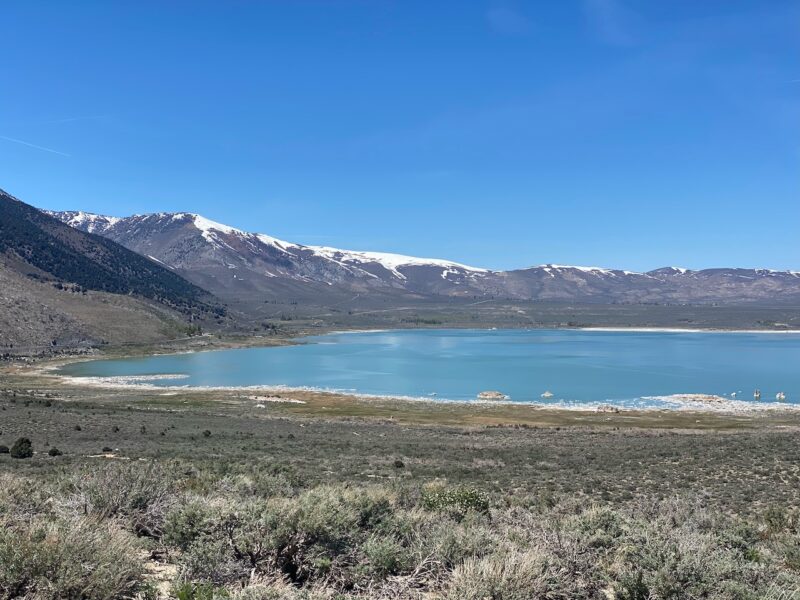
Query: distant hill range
column 233, row 264
column 60, row 286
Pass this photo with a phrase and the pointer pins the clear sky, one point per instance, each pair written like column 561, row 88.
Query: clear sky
column 621, row 133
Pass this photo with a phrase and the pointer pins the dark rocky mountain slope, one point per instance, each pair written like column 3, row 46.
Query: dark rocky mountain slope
column 62, row 287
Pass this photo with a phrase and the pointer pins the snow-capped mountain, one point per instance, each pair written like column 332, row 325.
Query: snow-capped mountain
column 230, row 261
column 233, row 263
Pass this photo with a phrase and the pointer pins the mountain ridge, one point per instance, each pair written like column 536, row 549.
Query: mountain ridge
column 94, row 221
column 233, row 263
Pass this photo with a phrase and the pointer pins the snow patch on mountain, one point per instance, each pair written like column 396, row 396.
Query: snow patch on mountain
column 279, row 244
column 549, row 268
column 391, row 262
column 86, row 221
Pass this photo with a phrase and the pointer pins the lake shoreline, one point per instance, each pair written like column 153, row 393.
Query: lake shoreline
column 678, row 403
column 721, row 405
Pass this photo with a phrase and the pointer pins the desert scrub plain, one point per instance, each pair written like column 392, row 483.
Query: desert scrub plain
column 194, row 496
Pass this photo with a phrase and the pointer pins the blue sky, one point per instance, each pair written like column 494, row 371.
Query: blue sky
column 631, row 134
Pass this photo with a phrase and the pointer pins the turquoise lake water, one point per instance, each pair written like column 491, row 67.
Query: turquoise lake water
column 578, row 367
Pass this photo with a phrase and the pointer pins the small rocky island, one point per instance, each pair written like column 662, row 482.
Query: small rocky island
column 492, row 395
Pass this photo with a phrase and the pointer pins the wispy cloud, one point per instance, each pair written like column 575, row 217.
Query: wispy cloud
column 611, row 21
column 507, row 21
column 24, row 143
column 79, row 118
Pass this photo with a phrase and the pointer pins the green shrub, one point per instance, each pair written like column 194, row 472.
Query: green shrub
column 22, row 499
column 194, row 591
column 3, row 449
column 77, row 558
column 315, row 536
column 442, row 541
column 22, row 448
column 459, row 500
column 384, row 556
column 187, row 523
column 140, row 493
column 54, row 452
column 598, row 527
column 675, row 551
column 514, row 576
column 211, row 561
column 258, row 484
column 283, row 591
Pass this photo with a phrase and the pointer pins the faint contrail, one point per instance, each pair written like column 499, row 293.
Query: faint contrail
column 24, row 143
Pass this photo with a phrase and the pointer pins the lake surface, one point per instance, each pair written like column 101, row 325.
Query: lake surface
column 578, row 367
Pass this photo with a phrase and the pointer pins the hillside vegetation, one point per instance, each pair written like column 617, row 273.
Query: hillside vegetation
column 64, row 289
column 90, row 261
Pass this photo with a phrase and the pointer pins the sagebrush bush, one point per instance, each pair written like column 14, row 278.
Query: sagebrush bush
column 384, row 556
column 139, row 493
column 513, row 576
column 189, row 522
column 675, row 550
column 73, row 558
column 211, row 560
column 459, row 499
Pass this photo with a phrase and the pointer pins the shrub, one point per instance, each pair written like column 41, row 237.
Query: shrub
column 450, row 542
column 283, row 591
column 260, row 484
column 22, row 448
column 459, row 500
column 54, row 452
column 399, row 464
column 187, row 523
column 206, row 433
column 141, row 493
column 675, row 550
column 193, row 591
column 77, row 558
column 211, row 561
column 598, row 527
column 313, row 537
column 3, row 449
column 513, row 576
column 385, row 556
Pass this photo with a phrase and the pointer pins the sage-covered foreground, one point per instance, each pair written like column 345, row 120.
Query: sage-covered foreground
column 220, row 500
column 96, row 533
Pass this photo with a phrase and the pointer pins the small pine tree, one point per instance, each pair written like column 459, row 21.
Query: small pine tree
column 22, row 448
